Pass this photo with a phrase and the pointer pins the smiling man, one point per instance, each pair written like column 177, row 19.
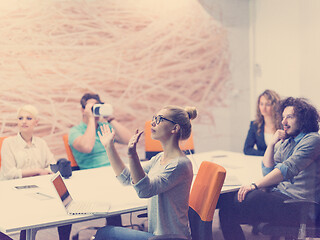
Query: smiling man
column 291, row 167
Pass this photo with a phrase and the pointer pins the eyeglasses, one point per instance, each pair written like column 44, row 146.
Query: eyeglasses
column 158, row 119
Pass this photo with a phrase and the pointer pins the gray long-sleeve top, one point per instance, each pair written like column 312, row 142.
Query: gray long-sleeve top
column 168, row 187
column 298, row 159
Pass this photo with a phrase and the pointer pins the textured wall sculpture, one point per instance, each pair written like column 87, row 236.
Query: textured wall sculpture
column 139, row 55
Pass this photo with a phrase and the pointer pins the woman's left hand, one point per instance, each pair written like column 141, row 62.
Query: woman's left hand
column 243, row 192
column 133, row 142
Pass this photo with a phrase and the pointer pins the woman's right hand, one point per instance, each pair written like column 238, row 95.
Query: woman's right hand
column 133, row 142
column 106, row 135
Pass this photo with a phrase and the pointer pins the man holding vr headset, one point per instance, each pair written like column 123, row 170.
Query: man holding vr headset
column 84, row 140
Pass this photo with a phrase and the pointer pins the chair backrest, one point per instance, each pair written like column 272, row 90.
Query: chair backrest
column 203, row 199
column 4, row 236
column 1, row 141
column 153, row 147
column 70, row 156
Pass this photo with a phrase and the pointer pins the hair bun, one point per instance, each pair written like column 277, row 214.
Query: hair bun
column 192, row 112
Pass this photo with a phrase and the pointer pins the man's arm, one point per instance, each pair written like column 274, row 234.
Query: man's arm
column 85, row 143
column 273, row 178
column 268, row 158
column 306, row 152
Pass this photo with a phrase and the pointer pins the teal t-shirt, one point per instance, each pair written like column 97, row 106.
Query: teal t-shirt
column 97, row 157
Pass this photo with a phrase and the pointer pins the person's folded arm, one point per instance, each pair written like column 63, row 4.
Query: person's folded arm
column 35, row 172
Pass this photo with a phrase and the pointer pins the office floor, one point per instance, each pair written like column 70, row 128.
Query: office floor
column 51, row 233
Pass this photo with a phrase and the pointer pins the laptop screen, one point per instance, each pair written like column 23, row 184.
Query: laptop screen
column 61, row 188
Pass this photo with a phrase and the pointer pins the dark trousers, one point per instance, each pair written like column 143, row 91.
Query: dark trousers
column 114, row 221
column 258, row 206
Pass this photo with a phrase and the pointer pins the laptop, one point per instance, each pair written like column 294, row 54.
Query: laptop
column 76, row 207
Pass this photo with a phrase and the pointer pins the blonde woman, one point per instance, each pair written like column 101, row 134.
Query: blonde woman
column 26, row 155
column 165, row 179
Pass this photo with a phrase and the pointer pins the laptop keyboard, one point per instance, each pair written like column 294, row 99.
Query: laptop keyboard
column 82, row 207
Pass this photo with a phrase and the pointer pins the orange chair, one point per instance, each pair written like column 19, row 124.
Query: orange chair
column 203, row 199
column 152, row 147
column 1, row 141
column 70, row 156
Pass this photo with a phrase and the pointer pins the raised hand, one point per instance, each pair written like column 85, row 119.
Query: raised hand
column 132, row 146
column 279, row 135
column 106, row 135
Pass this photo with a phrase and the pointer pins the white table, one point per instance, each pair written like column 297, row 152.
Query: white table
column 25, row 209
column 241, row 169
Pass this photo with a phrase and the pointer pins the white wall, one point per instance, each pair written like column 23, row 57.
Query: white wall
column 231, row 120
column 273, row 44
column 310, row 50
column 286, row 48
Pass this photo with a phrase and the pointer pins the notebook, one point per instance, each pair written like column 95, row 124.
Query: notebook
column 76, row 207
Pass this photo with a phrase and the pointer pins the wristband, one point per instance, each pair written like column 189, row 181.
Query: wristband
column 255, row 186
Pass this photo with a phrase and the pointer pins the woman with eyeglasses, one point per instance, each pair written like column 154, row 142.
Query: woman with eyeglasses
column 165, row 179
